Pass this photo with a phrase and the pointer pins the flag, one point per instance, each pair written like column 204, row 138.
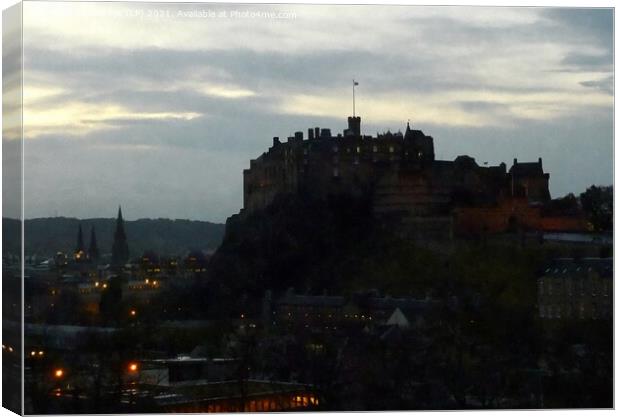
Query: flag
column 355, row 83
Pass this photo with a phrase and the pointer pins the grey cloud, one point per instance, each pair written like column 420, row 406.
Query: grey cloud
column 588, row 62
column 606, row 85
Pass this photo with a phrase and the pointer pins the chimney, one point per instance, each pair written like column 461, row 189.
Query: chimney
column 316, row 132
column 310, row 133
column 299, row 136
column 540, row 161
column 276, row 141
column 326, row 133
column 514, row 161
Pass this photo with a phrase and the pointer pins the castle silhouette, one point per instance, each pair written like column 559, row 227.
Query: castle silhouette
column 402, row 178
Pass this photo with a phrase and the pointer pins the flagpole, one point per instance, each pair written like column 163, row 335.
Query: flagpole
column 353, row 98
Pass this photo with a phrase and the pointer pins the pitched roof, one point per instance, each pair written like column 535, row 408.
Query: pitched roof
column 569, row 267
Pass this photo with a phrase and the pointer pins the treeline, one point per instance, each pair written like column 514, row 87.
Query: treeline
column 596, row 203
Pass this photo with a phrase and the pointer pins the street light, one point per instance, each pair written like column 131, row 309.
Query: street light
column 133, row 367
column 59, row 373
column 132, row 313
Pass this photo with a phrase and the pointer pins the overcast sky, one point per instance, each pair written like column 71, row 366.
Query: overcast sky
column 162, row 113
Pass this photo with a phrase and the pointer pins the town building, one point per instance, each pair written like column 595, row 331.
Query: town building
column 576, row 289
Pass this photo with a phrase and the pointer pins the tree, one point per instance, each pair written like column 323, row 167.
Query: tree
column 598, row 204
column 110, row 305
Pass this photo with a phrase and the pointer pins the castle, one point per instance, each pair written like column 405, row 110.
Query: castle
column 405, row 182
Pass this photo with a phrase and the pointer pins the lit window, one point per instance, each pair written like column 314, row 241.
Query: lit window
column 374, row 148
column 359, row 150
column 391, row 149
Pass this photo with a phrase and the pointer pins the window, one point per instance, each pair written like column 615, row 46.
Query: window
column 391, row 149
column 359, row 150
column 374, row 148
column 336, row 173
column 335, row 149
column 356, row 161
column 541, row 287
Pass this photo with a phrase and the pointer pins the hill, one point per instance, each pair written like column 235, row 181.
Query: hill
column 46, row 236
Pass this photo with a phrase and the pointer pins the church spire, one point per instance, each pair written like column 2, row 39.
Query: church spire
column 93, row 250
column 120, row 249
column 80, row 240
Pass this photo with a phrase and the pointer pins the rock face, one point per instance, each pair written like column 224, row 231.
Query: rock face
column 295, row 242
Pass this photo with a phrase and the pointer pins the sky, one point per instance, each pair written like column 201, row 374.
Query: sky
column 160, row 107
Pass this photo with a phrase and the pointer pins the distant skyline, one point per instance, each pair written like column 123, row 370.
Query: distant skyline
column 159, row 107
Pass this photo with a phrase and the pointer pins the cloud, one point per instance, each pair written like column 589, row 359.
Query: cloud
column 606, row 84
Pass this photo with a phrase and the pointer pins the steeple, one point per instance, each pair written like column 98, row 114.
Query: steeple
column 78, row 255
column 120, row 249
column 80, row 241
column 93, row 250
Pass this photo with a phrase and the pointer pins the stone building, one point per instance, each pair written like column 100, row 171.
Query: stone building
column 577, row 289
column 401, row 176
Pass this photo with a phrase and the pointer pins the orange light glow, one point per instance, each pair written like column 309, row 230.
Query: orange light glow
column 133, row 367
column 59, row 373
column 132, row 312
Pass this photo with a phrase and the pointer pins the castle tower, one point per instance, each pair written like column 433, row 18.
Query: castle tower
column 93, row 250
column 354, row 126
column 120, row 249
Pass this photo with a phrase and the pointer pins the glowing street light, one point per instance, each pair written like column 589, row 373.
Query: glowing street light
column 59, row 373
column 132, row 313
column 133, row 367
